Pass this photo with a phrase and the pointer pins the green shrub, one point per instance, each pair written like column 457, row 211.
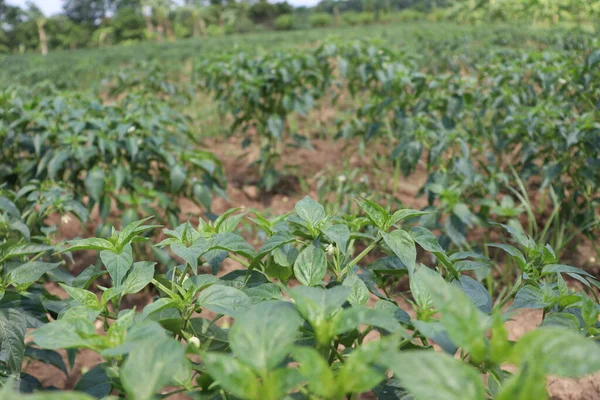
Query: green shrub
column 245, row 25
column 409, row 15
column 366, row 18
column 437, row 15
column 320, row 20
column 284, row 22
column 351, row 18
column 215, row 30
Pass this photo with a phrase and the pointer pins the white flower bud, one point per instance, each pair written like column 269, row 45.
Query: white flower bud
column 330, row 249
column 194, row 341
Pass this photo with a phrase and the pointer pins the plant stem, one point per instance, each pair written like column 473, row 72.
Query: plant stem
column 361, row 255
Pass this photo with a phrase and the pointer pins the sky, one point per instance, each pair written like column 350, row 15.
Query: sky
column 50, row 7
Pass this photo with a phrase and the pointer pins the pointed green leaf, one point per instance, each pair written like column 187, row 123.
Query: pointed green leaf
column 117, row 264
column 403, row 246
column 311, row 266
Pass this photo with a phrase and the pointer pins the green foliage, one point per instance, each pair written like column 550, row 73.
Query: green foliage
column 319, row 20
column 308, row 338
column 284, row 22
column 123, row 154
column 307, row 304
column 260, row 92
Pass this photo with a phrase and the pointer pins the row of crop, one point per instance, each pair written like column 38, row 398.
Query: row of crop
column 86, row 68
column 128, row 159
column 333, row 335
column 482, row 128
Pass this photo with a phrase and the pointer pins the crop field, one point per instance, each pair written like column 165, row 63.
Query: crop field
column 386, row 212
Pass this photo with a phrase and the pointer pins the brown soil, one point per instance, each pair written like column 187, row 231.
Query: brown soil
column 327, row 157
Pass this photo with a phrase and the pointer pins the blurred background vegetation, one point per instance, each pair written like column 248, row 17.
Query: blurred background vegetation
column 100, row 23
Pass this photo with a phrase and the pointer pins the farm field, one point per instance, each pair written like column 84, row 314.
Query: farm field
column 395, row 212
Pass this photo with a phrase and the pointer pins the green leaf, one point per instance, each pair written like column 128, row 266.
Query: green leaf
column 12, row 340
column 48, row 357
column 462, row 211
column 231, row 242
column 529, row 297
column 476, row 292
column 30, row 272
column 95, row 382
column 139, row 277
column 403, row 214
column 399, row 314
column 310, row 211
column 429, row 375
column 465, row 324
column 90, row 244
column 274, row 242
column 116, row 333
column 117, row 264
column 83, row 297
column 560, row 351
column 280, row 382
column 360, row 292
column 426, row 239
column 316, row 372
column 133, row 229
column 338, row 234
column 56, row 163
column 564, row 269
column 64, row 333
column 212, row 338
column 317, row 304
column 19, row 226
column 177, row 177
column 359, row 374
column 94, row 183
column 513, row 251
column 529, row 383
column 310, row 266
column 191, row 253
column 351, row 318
column 196, row 283
column 377, row 214
column 9, row 207
column 87, row 276
column 224, row 300
column 263, row 335
column 232, row 375
column 275, row 126
column 562, row 319
column 403, row 246
column 435, row 331
column 151, row 366
column 25, row 249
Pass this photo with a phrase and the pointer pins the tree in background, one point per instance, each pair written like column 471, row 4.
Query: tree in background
column 87, row 12
column 129, row 25
column 35, row 14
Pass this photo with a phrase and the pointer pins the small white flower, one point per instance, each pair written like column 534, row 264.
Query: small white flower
column 561, row 81
column 65, row 219
column 194, row 341
column 330, row 249
column 131, row 129
column 364, row 179
column 342, row 178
